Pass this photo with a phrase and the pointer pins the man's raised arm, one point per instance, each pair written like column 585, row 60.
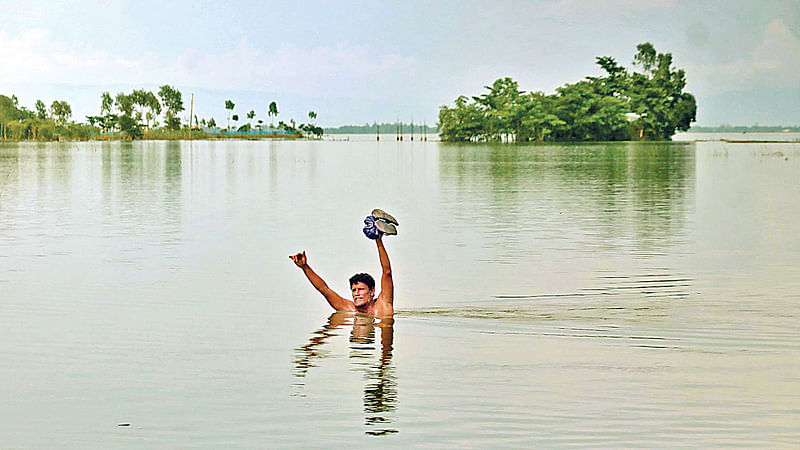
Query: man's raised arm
column 338, row 302
column 387, row 285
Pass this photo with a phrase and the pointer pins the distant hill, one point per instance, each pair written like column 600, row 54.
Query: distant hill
column 383, row 128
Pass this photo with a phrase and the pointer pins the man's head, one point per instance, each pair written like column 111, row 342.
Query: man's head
column 362, row 286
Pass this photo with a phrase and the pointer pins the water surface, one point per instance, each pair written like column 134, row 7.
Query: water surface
column 602, row 295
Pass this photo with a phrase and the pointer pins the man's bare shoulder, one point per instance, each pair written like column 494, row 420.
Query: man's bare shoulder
column 383, row 309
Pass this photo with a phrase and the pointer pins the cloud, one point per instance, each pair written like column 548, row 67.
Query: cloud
column 774, row 63
column 601, row 10
column 34, row 56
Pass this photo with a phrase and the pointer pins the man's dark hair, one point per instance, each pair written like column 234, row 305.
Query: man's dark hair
column 363, row 278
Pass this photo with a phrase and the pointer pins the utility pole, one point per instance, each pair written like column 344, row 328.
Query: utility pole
column 191, row 115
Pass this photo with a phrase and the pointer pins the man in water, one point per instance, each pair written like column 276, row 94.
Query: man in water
column 362, row 285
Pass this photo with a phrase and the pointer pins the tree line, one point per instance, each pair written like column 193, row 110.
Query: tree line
column 42, row 122
column 129, row 115
column 725, row 128
column 648, row 104
column 383, row 127
column 310, row 128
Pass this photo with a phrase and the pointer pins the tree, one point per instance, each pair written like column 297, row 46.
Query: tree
column 250, row 115
column 312, row 115
column 645, row 57
column 41, row 110
column 589, row 110
column 130, row 126
column 212, row 123
column 656, row 95
column 235, row 119
column 153, row 107
column 61, row 110
column 109, row 120
column 229, row 105
column 173, row 102
column 124, row 104
column 106, row 103
column 128, row 123
column 272, row 110
column 465, row 122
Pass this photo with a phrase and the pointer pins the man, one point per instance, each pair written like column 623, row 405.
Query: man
column 362, row 285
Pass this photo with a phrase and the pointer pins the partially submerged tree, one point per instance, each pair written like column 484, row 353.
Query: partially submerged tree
column 592, row 109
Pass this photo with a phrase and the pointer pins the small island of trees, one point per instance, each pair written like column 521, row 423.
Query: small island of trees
column 648, row 104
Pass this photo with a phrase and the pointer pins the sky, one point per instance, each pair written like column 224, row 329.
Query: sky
column 355, row 62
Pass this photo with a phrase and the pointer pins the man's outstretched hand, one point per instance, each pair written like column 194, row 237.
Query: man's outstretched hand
column 299, row 259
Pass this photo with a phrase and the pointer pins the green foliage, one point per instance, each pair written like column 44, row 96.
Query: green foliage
column 172, row 100
column 124, row 104
column 61, row 110
column 229, row 105
column 19, row 123
column 147, row 105
column 593, row 109
column 310, row 128
column 272, row 109
column 173, row 123
column 106, row 103
column 130, row 126
column 41, row 110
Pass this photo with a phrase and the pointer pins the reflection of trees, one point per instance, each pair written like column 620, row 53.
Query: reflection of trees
column 142, row 195
column 380, row 388
column 636, row 191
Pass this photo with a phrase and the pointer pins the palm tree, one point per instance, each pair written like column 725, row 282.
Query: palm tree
column 229, row 105
column 273, row 110
column 251, row 114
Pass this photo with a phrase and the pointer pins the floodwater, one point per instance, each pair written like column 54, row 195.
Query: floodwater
column 600, row 295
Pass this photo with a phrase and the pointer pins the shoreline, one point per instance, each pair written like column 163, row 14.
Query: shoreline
column 165, row 137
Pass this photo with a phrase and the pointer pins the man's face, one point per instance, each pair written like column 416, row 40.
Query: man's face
column 362, row 294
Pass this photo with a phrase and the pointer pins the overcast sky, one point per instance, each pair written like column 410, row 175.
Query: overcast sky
column 356, row 62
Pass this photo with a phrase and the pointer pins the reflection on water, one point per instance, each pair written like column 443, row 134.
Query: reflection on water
column 605, row 294
column 606, row 195
column 380, row 384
